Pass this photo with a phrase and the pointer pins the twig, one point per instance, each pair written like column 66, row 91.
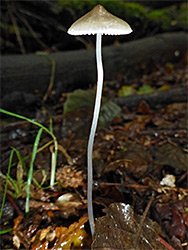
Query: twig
column 63, row 150
column 33, row 33
column 52, row 76
column 144, row 217
column 164, row 243
column 14, row 205
column 124, row 185
column 158, row 189
column 17, row 31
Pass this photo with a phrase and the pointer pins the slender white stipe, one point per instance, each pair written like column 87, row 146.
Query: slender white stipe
column 93, row 130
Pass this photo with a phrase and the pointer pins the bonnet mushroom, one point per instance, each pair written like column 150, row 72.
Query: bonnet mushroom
column 98, row 21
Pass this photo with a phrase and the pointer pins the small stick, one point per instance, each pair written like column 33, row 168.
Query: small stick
column 143, row 217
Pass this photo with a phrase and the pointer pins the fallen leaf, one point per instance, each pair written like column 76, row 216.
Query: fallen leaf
column 126, row 91
column 173, row 217
column 164, row 87
column 137, row 125
column 69, row 203
column 79, row 99
column 145, row 89
column 136, row 161
column 61, row 237
column 44, row 232
column 172, row 156
column 144, row 108
column 17, row 222
column 18, row 234
column 108, row 112
column 119, row 229
column 16, row 241
column 45, row 205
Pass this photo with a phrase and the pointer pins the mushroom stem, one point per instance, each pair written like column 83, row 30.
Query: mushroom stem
column 93, row 130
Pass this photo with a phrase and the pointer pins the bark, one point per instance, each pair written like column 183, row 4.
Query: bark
column 175, row 95
column 77, row 69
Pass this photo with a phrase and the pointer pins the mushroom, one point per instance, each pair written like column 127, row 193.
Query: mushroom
column 98, row 21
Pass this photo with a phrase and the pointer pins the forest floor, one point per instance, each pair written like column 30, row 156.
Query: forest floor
column 140, row 174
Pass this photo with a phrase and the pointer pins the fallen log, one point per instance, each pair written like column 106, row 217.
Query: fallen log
column 174, row 95
column 77, row 69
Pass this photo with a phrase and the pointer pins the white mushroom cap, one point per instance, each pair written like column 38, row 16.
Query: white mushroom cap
column 99, row 21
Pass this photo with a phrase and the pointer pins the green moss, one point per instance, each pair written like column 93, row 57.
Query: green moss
column 166, row 18
column 135, row 9
column 171, row 16
column 182, row 16
column 120, row 8
column 162, row 17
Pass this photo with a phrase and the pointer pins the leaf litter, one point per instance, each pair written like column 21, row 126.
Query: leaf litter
column 134, row 151
column 119, row 229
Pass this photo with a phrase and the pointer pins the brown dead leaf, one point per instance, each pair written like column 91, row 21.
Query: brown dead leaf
column 44, row 233
column 16, row 241
column 18, row 235
column 177, row 109
column 45, row 205
column 69, row 204
column 136, row 161
column 137, row 125
column 119, row 230
column 61, row 237
column 172, row 156
column 17, row 222
column 173, row 217
column 161, row 122
column 144, row 108
column 40, row 194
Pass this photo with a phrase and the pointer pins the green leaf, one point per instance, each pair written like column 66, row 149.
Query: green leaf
column 145, row 89
column 108, row 112
column 125, row 91
column 79, row 99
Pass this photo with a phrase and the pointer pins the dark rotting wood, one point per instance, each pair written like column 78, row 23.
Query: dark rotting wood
column 77, row 69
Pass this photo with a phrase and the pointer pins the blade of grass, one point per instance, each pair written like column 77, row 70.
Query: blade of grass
column 44, row 128
column 43, row 173
column 20, row 158
column 17, row 185
column 5, row 231
column 30, row 174
column 39, row 186
column 13, row 184
column 27, row 119
column 51, row 125
column 6, row 184
column 54, row 156
column 29, row 155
